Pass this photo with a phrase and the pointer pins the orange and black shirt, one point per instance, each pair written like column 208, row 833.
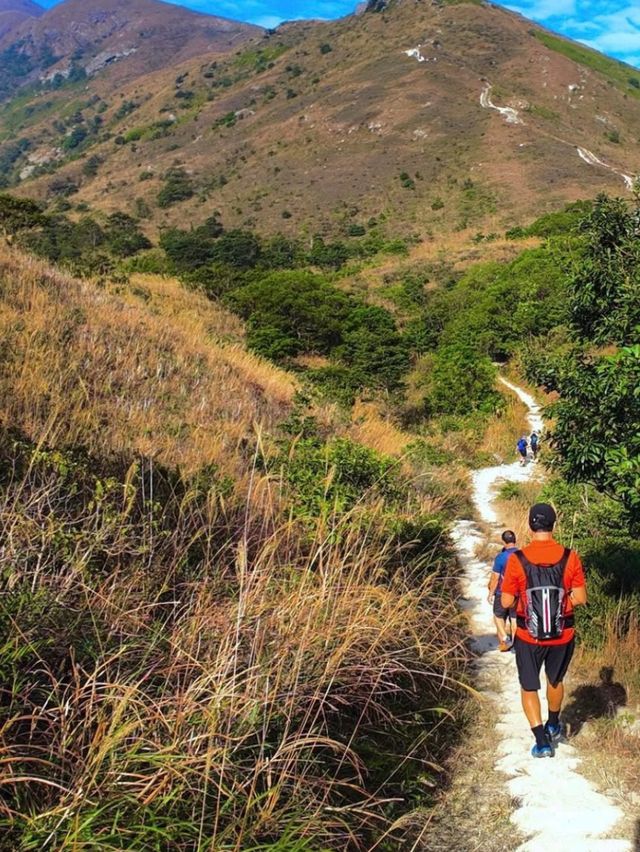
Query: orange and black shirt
column 515, row 583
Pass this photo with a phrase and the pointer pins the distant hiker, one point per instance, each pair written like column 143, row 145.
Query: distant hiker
column 548, row 581
column 523, row 445
column 500, row 614
column 534, row 443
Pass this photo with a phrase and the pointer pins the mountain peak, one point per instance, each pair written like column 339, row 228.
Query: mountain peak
column 23, row 7
column 132, row 37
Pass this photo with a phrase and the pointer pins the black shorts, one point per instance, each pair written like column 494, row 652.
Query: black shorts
column 529, row 660
column 500, row 612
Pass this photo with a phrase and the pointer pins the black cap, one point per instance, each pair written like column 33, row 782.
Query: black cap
column 542, row 517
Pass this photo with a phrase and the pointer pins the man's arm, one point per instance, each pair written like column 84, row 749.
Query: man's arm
column 493, row 585
column 578, row 595
column 496, row 573
column 577, row 584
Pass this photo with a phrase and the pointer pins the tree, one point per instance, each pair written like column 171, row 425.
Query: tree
column 237, row 248
column 596, row 435
column 19, row 214
column 289, row 313
column 373, row 349
column 187, row 250
column 463, row 381
column 605, row 283
column 177, row 187
column 330, row 255
column 597, row 430
column 123, row 235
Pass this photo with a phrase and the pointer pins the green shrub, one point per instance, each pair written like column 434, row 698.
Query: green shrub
column 407, row 181
column 178, row 187
column 463, row 381
column 510, row 491
column 18, row 214
column 333, row 477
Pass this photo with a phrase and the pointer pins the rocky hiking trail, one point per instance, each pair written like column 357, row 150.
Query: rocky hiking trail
column 557, row 808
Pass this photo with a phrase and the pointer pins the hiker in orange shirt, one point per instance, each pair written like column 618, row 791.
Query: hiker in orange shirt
column 548, row 581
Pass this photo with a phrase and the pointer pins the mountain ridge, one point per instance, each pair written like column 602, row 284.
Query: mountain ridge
column 137, row 36
column 14, row 13
column 430, row 117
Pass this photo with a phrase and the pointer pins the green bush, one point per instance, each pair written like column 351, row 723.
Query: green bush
column 297, row 312
column 289, row 313
column 510, row 491
column 178, row 187
column 407, row 181
column 334, row 476
column 463, row 381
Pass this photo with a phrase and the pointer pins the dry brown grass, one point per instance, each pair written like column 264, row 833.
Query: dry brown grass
column 370, row 427
column 217, row 705
column 169, row 379
column 191, row 663
column 503, row 431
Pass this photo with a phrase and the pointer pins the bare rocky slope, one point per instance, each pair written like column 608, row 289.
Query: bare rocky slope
column 424, row 116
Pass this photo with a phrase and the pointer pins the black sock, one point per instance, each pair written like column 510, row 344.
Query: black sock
column 538, row 733
column 554, row 717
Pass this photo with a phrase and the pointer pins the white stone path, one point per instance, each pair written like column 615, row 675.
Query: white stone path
column 558, row 808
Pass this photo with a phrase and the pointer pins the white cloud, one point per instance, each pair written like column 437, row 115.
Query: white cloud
column 610, row 26
column 267, row 21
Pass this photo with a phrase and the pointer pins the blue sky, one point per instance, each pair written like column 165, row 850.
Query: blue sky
column 612, row 26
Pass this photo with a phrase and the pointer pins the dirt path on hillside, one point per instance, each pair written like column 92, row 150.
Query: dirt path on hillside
column 558, row 808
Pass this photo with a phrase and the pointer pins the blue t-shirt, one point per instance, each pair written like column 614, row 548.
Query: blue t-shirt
column 500, row 565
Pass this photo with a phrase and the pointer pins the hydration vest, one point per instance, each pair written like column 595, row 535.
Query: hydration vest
column 545, row 598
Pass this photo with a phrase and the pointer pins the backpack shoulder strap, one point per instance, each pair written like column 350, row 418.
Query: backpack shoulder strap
column 565, row 559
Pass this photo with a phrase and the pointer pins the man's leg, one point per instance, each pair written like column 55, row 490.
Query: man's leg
column 531, row 707
column 501, row 628
column 529, row 661
column 500, row 615
column 556, row 664
column 555, row 696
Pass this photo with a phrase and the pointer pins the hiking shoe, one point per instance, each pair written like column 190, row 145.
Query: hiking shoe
column 542, row 751
column 553, row 732
column 504, row 645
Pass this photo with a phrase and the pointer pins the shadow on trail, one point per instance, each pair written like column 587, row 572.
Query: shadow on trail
column 636, row 839
column 595, row 701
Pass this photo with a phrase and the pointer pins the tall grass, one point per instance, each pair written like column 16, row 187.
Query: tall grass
column 178, row 675
column 186, row 662
column 163, row 382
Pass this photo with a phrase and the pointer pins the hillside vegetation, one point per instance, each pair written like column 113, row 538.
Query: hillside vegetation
column 218, row 610
column 229, row 609
column 253, row 309
column 377, row 122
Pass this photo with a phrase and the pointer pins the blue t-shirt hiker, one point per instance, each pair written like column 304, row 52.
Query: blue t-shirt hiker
column 500, row 614
column 523, row 447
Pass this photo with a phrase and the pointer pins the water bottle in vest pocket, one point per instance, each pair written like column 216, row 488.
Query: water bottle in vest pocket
column 545, row 598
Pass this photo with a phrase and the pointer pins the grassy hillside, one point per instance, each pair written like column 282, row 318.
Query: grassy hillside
column 218, row 609
column 338, row 128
